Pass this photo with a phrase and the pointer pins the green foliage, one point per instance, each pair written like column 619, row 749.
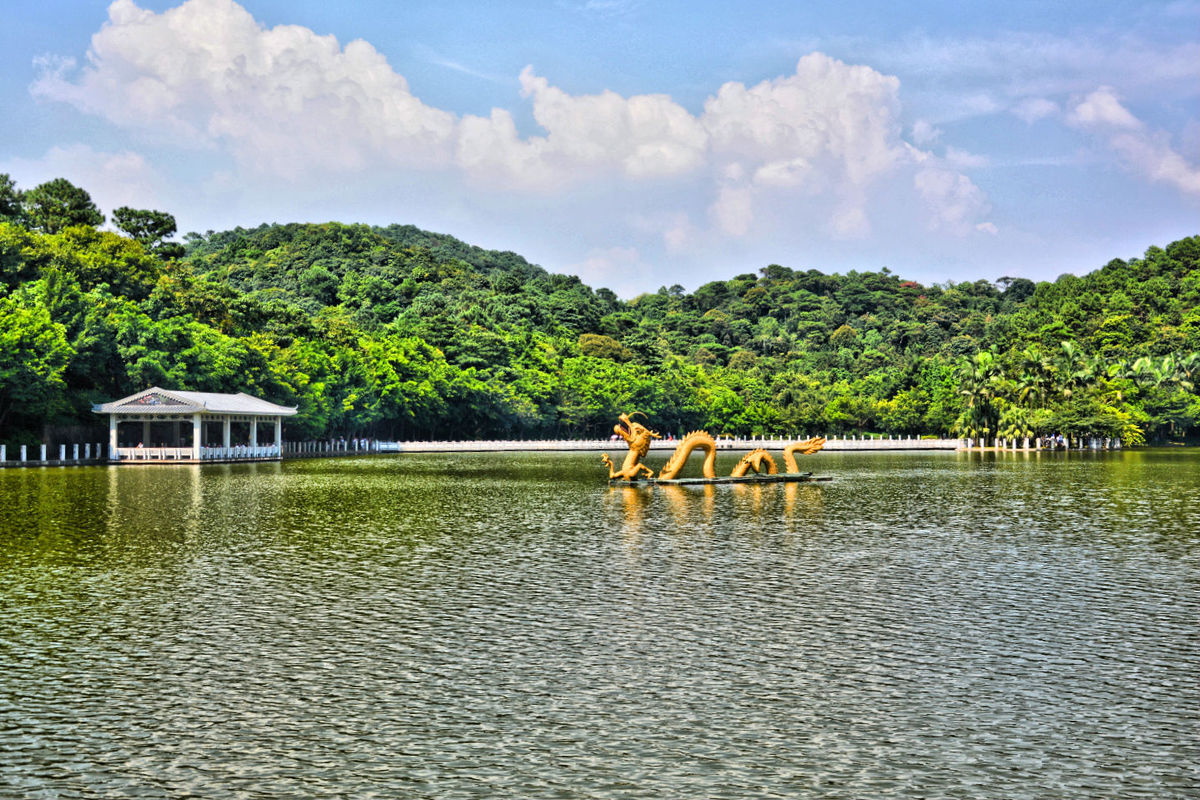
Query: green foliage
column 597, row 345
column 59, row 204
column 10, row 199
column 149, row 228
column 398, row 332
column 34, row 353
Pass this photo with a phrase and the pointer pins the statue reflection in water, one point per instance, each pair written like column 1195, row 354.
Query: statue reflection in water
column 698, row 508
column 633, row 500
column 690, row 505
column 803, row 501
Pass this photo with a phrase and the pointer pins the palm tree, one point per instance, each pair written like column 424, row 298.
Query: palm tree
column 1014, row 422
column 1037, row 374
column 1161, row 378
column 1181, row 370
column 982, row 384
column 1121, row 371
column 1029, row 387
column 1075, row 371
column 1144, row 373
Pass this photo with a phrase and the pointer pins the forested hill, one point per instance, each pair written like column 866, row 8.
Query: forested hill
column 397, row 332
column 441, row 246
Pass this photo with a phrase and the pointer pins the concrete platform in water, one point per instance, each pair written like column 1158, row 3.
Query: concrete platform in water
column 784, row 477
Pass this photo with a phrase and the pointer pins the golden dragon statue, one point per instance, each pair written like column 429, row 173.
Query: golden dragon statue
column 638, row 437
column 760, row 461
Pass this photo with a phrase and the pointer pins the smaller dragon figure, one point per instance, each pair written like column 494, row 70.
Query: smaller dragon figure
column 638, row 437
column 758, row 461
column 805, row 448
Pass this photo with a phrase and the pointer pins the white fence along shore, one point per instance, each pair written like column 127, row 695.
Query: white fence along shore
column 65, row 455
column 723, row 443
column 45, row 455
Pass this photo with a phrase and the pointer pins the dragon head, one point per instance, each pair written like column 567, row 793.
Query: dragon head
column 634, row 433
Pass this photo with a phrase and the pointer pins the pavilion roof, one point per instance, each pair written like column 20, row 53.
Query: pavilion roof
column 162, row 401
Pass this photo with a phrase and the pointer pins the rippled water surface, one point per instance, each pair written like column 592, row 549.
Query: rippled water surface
column 925, row 625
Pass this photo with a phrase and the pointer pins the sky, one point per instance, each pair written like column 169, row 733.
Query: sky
column 636, row 144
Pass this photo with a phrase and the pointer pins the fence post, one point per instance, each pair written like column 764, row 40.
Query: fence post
column 43, row 453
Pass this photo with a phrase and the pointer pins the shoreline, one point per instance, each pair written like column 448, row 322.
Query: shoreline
column 667, row 445
column 343, row 449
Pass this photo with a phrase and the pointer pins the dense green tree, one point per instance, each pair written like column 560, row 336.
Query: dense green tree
column 983, row 389
column 10, row 199
column 150, row 228
column 598, row 345
column 33, row 357
column 58, row 204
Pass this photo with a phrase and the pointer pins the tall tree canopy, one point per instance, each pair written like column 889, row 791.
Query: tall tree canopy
column 10, row 199
column 52, row 206
column 150, row 228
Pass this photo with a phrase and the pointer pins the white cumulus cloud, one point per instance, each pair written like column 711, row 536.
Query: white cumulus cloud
column 643, row 136
column 828, row 129
column 924, row 133
column 813, row 147
column 280, row 99
column 1145, row 151
column 1102, row 108
column 827, row 111
column 955, row 202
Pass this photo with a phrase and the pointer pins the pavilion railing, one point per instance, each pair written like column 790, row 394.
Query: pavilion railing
column 239, row 452
column 154, row 453
column 234, row 453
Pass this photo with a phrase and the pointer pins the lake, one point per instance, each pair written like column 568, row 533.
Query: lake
column 955, row 625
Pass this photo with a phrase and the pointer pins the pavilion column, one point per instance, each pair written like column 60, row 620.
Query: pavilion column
column 254, row 431
column 197, row 435
column 146, row 433
column 279, row 436
column 225, row 435
column 177, row 433
column 112, row 436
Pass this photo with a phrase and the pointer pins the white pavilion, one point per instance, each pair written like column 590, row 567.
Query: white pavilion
column 165, row 425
